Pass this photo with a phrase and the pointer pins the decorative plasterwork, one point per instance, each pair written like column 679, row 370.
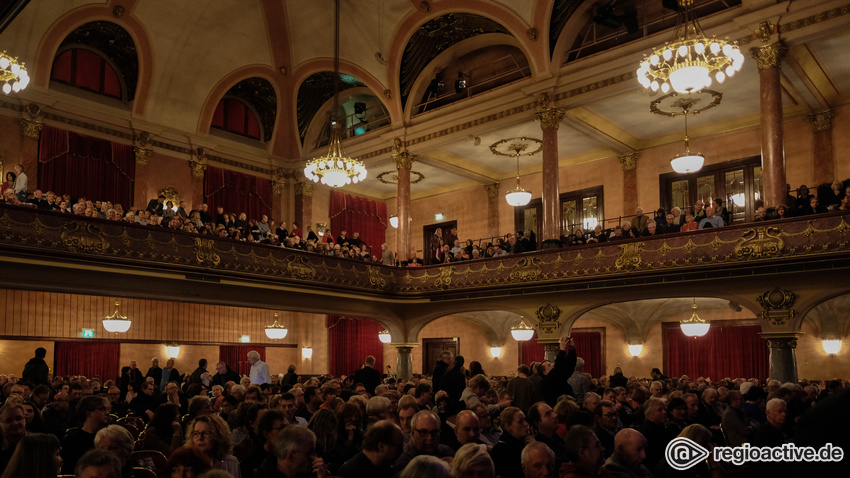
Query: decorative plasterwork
column 31, row 128
column 391, row 177
column 198, row 163
column 629, row 161
column 550, row 117
column 769, row 56
column 821, row 121
column 404, row 159
column 492, row 189
column 304, row 188
column 776, row 305
column 170, row 194
column 547, row 319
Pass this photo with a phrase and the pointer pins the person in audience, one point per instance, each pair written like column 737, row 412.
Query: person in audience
column 97, row 463
column 383, row 444
column 544, row 420
column 639, row 222
column 32, row 415
column 735, row 422
column 14, row 427
column 36, row 456
column 523, row 389
column 538, row 461
column 467, row 430
column 59, row 417
column 210, row 435
column 260, row 373
column 655, row 414
column 710, row 220
column 606, row 425
column 164, row 433
column 629, row 455
column 93, row 414
column 583, row 446
column 814, row 207
column 9, row 183
column 367, row 375
column 21, row 185
column 761, row 214
column 555, row 375
column 145, row 403
column 119, row 441
column 770, row 433
column 579, row 382
column 36, row 370
column 803, row 200
column 507, row 454
column 424, row 440
column 699, row 211
column 426, row 466
column 155, row 206
column 708, row 467
column 294, row 456
column 472, row 461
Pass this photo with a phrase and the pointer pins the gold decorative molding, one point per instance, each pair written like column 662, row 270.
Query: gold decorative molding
column 630, row 257
column 769, row 56
column 492, row 189
column 821, row 121
column 547, row 319
column 170, row 194
column 143, row 155
column 404, row 159
column 527, row 269
column 388, row 94
column 375, row 279
column 532, row 34
column 550, row 117
column 444, row 280
column 31, row 128
column 782, row 342
column 198, row 163
column 278, row 186
column 776, row 305
column 299, row 267
column 425, row 7
column 84, row 238
column 760, row 243
column 765, row 30
column 304, row 188
column 205, row 253
column 629, row 161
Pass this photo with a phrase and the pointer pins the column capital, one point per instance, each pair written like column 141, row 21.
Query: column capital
column 31, row 128
column 142, row 151
column 198, row 163
column 550, row 117
column 782, row 339
column 769, row 56
column 628, row 160
column 492, row 189
column 821, row 121
column 278, row 186
column 303, row 188
column 404, row 159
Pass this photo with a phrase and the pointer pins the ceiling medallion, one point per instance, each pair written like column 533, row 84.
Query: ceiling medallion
column 517, row 147
column 391, row 177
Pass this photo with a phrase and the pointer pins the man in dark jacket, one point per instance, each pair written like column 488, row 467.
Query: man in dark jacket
column 454, row 382
column 36, row 370
column 224, row 374
column 196, row 375
column 554, row 382
column 440, row 369
column 368, row 376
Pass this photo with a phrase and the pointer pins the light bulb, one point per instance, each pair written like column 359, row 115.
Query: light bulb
column 699, row 48
column 654, row 85
column 720, row 77
column 653, row 60
column 668, row 54
column 683, row 51
column 665, row 87
column 715, row 48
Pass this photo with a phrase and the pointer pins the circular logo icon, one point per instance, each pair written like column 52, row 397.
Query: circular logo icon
column 683, row 453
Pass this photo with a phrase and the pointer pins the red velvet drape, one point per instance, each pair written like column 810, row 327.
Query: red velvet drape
column 87, row 358
column 725, row 351
column 588, row 347
column 236, row 357
column 237, row 192
column 350, row 340
column 82, row 166
column 357, row 214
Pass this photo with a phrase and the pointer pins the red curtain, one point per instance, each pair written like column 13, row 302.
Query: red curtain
column 236, row 357
column 725, row 351
column 237, row 192
column 357, row 214
column 350, row 340
column 82, row 166
column 588, row 347
column 87, row 358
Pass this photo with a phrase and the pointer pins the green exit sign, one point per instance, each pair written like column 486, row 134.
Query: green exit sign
column 88, row 333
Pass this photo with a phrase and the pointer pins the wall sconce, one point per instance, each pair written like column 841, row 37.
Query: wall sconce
column 172, row 350
column 320, row 228
column 831, row 346
column 384, row 336
column 394, row 221
column 495, row 352
column 635, row 349
column 438, row 217
column 307, row 352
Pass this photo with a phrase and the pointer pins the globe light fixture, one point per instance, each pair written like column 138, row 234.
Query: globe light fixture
column 686, row 64
column 384, row 336
column 276, row 331
column 117, row 322
column 495, row 352
column 687, row 162
column 307, row 352
column 394, row 221
column 522, row 332
column 831, row 346
column 13, row 75
column 172, row 350
column 635, row 349
column 516, row 147
column 694, row 326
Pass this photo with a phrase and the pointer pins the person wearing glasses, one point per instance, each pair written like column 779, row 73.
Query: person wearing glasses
column 424, row 440
column 93, row 413
column 210, row 435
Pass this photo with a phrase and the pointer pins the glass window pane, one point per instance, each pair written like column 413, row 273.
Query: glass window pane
column 758, row 188
column 590, row 215
column 736, row 200
column 705, row 189
column 681, row 195
column 568, row 209
column 529, row 221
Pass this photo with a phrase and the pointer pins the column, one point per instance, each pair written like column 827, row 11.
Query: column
column 822, row 146
column 31, row 131
column 403, row 162
column 404, row 367
column 304, row 205
column 550, row 350
column 782, row 348
column 198, row 164
column 493, row 209
column 550, row 118
column 142, row 181
column 769, row 60
column 630, row 201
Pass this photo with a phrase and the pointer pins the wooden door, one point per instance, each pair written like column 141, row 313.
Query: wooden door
column 432, row 348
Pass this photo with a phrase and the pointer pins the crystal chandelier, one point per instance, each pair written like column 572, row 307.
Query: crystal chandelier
column 522, row 332
column 687, row 162
column 276, row 331
column 13, row 75
column 335, row 169
column 117, row 322
column 685, row 65
column 694, row 326
column 517, row 196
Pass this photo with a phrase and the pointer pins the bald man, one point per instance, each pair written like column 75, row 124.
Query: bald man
column 467, row 430
column 629, row 454
column 59, row 417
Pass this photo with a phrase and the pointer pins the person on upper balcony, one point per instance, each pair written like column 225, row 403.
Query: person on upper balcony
column 639, row 222
column 711, row 220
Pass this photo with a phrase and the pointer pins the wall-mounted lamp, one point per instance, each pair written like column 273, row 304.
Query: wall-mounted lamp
column 831, row 346
column 495, row 352
column 320, row 228
column 438, row 217
column 384, row 336
column 307, row 352
column 172, row 350
column 635, row 349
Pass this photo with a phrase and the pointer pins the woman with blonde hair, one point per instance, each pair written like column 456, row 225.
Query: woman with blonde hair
column 210, row 435
column 473, row 461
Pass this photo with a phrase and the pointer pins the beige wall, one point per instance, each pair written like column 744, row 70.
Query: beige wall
column 814, row 363
column 14, row 354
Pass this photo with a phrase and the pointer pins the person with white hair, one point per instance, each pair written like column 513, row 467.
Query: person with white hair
column 770, row 433
column 260, row 372
column 580, row 383
column 119, row 441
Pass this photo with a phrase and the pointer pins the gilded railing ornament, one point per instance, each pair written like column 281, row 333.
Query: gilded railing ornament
column 630, row 256
column 83, row 238
column 444, row 280
column 760, row 243
column 527, row 269
column 205, row 253
column 776, row 305
column 375, row 279
column 299, row 267
column 547, row 319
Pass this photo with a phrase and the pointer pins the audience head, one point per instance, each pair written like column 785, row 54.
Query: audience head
column 538, row 460
column 185, row 462
column 116, row 439
column 385, row 440
column 209, row 434
column 425, row 432
column 655, row 411
column 37, row 456
column 630, row 446
column 584, row 448
column 295, row 450
column 699, row 434
column 426, row 466
column 472, row 461
column 97, row 463
column 13, row 421
column 776, row 411
column 542, row 417
column 467, row 427
column 514, row 423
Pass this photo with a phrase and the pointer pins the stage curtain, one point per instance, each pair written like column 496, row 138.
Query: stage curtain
column 588, row 347
column 236, row 356
column 725, row 351
column 87, row 358
column 358, row 214
column 350, row 340
column 237, row 192
column 83, row 166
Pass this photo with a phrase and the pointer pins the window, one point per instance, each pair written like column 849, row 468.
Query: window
column 234, row 116
column 87, row 70
column 579, row 209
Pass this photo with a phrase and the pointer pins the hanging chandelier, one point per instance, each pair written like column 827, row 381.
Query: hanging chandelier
column 516, row 147
column 686, row 64
column 694, row 326
column 13, row 75
column 687, row 162
column 276, row 331
column 522, row 332
column 334, row 169
column 117, row 322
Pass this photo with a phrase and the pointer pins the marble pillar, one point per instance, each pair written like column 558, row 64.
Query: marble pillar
column 550, row 118
column 782, row 348
column 824, row 171
column 404, row 367
column 493, row 209
column 630, row 189
column 403, row 162
column 769, row 59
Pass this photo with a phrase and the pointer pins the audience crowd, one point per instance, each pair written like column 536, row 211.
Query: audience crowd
column 550, row 419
